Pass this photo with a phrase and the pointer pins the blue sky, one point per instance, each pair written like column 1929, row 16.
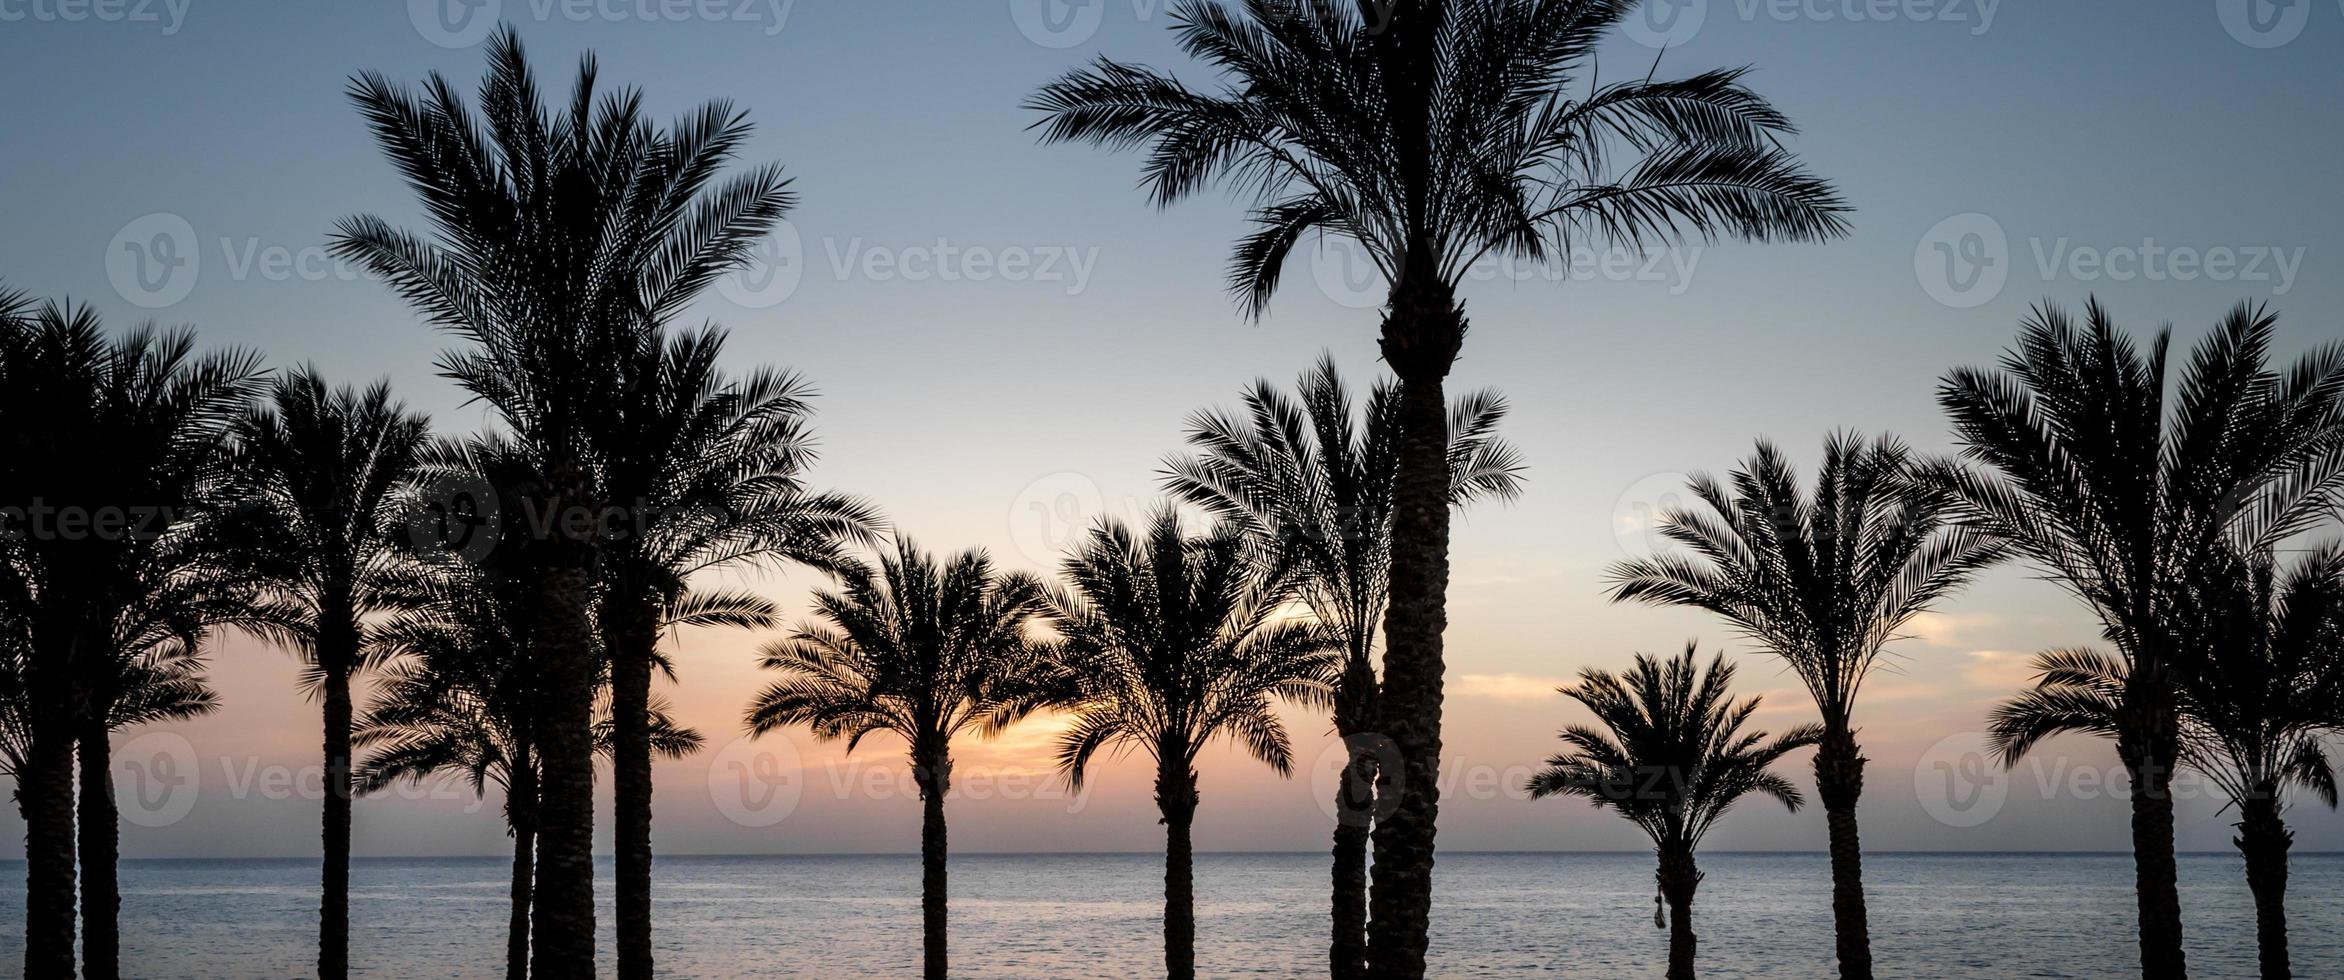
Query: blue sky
column 1007, row 337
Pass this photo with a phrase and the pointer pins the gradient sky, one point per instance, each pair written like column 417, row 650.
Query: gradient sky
column 2172, row 158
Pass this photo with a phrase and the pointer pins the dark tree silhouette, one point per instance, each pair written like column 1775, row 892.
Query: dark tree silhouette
column 1672, row 758
column 561, row 240
column 1824, row 582
column 323, row 469
column 1432, row 133
column 1312, row 482
column 2122, row 499
column 1168, row 642
column 923, row 651
column 116, row 561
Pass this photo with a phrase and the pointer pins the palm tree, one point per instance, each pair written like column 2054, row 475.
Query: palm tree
column 1432, row 133
column 2258, row 689
column 323, row 469
column 1672, row 758
column 1824, row 582
column 923, row 651
column 709, row 472
column 2122, row 499
column 1168, row 642
column 561, row 241
column 1314, row 487
column 117, row 558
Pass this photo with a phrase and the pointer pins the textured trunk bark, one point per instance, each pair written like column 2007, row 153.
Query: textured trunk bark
column 1679, row 877
column 333, row 917
column 101, row 896
column 2264, row 840
column 630, row 634
column 44, row 792
column 562, row 920
column 1422, row 332
column 1176, row 800
column 521, row 811
column 2148, row 746
column 934, row 778
column 1839, row 780
column 1354, row 816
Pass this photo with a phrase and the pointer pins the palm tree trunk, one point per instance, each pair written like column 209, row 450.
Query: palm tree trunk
column 933, row 773
column 44, row 793
column 1354, row 812
column 101, row 896
column 1422, row 332
column 333, row 917
column 2264, row 839
column 1679, row 877
column 630, row 635
column 1176, row 800
column 2147, row 744
column 562, row 920
column 1839, row 780
column 521, row 810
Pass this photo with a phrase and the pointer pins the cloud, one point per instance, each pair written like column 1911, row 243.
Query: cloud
column 1505, row 687
column 2000, row 671
column 1946, row 630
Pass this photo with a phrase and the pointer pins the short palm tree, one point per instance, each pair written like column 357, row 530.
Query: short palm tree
column 2259, row 688
column 562, row 239
column 323, row 469
column 1825, row 582
column 709, row 472
column 1312, row 480
column 1433, row 133
column 1168, row 642
column 2124, row 499
column 922, row 650
column 1672, row 758
column 123, row 560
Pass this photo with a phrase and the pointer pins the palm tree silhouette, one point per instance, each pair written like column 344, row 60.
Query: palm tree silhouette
column 1824, row 582
column 1672, row 758
column 1168, row 642
column 2122, row 499
column 1314, row 487
column 1432, row 133
column 120, row 445
column 923, row 651
column 2259, row 687
column 324, row 468
column 708, row 472
column 561, row 241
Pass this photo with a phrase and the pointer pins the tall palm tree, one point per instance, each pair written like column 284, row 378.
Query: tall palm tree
column 560, row 241
column 2259, row 688
column 923, row 651
column 323, row 468
column 1432, row 133
column 2122, row 499
column 709, row 471
column 116, row 557
column 1168, row 642
column 1672, row 758
column 1312, row 482
column 1825, row 582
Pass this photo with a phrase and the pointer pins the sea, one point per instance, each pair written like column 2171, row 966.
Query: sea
column 1056, row 916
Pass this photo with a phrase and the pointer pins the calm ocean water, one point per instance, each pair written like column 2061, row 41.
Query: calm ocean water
column 1934, row 917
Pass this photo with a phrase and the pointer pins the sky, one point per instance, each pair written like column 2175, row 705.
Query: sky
column 1007, row 338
